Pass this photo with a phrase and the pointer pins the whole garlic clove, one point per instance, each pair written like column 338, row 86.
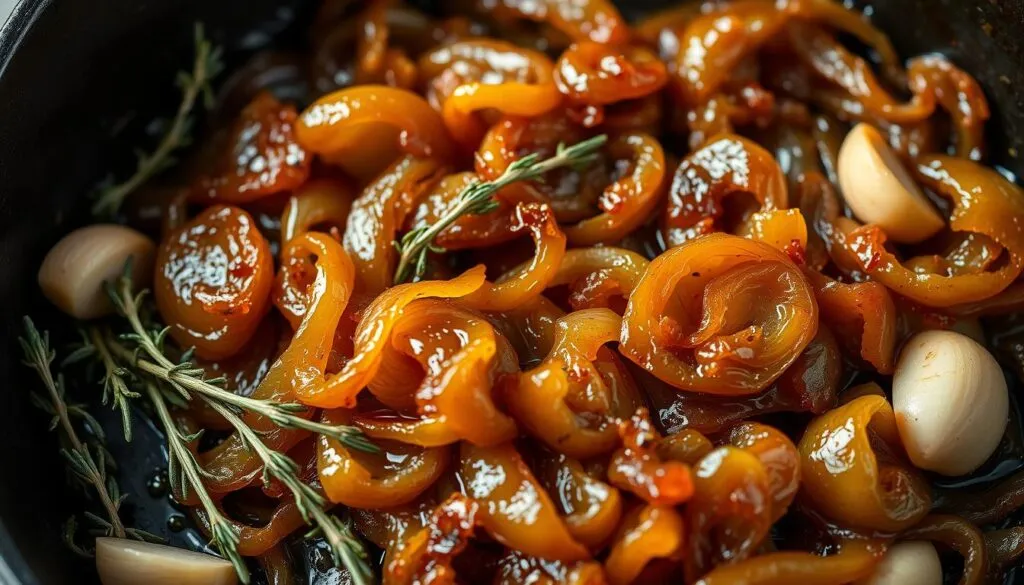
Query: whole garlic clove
column 951, row 402
column 73, row 272
column 914, row 562
column 879, row 189
column 129, row 562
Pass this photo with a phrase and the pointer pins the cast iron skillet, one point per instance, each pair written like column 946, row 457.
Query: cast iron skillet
column 79, row 80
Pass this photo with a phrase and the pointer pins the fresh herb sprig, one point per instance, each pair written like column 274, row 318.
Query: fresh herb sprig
column 478, row 199
column 88, row 463
column 116, row 390
column 149, row 363
column 185, row 474
column 205, row 67
column 185, row 378
column 346, row 548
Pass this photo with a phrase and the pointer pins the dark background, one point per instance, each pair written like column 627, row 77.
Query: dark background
column 80, row 79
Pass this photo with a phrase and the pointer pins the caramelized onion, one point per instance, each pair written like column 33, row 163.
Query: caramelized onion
column 678, row 328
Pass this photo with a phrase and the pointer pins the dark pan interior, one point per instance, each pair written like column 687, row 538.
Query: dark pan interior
column 80, row 80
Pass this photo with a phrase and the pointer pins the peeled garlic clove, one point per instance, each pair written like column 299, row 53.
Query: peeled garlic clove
column 914, row 562
column 879, row 189
column 73, row 272
column 950, row 400
column 130, row 562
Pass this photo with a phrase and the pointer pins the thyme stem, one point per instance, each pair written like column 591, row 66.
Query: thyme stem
column 186, row 378
column 39, row 357
column 115, row 389
column 224, row 536
column 345, row 547
column 478, row 199
column 205, row 66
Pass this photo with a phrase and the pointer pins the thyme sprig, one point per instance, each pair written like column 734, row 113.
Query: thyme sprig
column 185, row 474
column 346, row 548
column 205, row 67
column 478, row 199
column 116, row 390
column 186, row 378
column 149, row 363
column 89, row 464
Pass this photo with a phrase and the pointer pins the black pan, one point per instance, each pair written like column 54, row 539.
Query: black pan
column 79, row 80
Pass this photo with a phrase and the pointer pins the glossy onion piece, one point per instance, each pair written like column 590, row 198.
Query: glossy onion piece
column 739, row 103
column 786, row 568
column 426, row 557
column 232, row 465
column 564, row 401
column 391, row 529
column 594, row 74
column 647, row 533
column 983, row 203
column 732, row 507
column 726, row 166
column 783, row 229
column 396, row 476
column 376, row 61
column 572, row 193
column 590, row 507
column 595, row 20
column 698, row 319
column 638, row 468
column 628, row 202
column 244, row 371
column 963, row 537
column 596, row 274
column 643, row 115
column 520, row 287
column 514, row 508
column 1003, row 548
column 840, row 17
column 376, row 216
column 820, row 206
column 263, row 158
column 688, row 446
column 959, row 95
column 811, row 384
column 779, row 457
column 711, row 46
column 342, row 124
column 849, row 481
column 277, row 566
column 318, row 202
column 989, row 506
column 374, row 330
column 254, row 541
column 462, row 360
column 466, row 77
column 854, row 90
column 470, row 230
column 213, row 279
column 863, row 314
column 372, row 46
column 515, row 568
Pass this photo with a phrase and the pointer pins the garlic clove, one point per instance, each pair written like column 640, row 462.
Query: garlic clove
column 73, row 272
column 914, row 562
column 879, row 189
column 129, row 562
column 951, row 402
